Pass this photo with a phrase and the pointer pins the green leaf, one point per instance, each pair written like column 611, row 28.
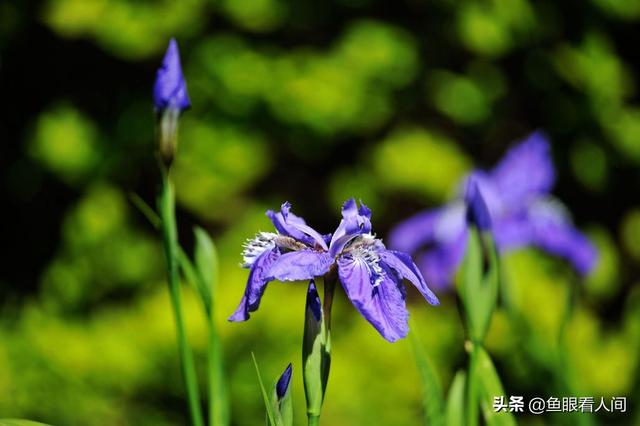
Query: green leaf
column 20, row 422
column 316, row 353
column 456, row 401
column 489, row 386
column 432, row 399
column 267, row 403
column 206, row 266
column 479, row 283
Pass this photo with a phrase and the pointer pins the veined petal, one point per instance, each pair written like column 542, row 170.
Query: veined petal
column 356, row 276
column 402, row 264
column 526, row 170
column 256, row 285
column 383, row 305
column 294, row 226
column 300, row 265
column 355, row 221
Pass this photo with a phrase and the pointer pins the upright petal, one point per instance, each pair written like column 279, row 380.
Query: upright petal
column 283, row 382
column 525, row 171
column 402, row 264
column 477, row 211
column 294, row 226
column 355, row 221
column 256, row 285
column 383, row 305
column 170, row 89
column 547, row 226
column 300, row 265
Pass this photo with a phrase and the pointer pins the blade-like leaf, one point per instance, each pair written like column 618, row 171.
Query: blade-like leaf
column 456, row 400
column 270, row 414
column 206, row 264
column 433, row 400
column 489, row 386
column 20, row 422
column 479, row 283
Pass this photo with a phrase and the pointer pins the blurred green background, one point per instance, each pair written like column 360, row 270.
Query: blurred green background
column 310, row 102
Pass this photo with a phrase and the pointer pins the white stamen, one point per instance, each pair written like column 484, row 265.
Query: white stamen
column 253, row 248
column 367, row 254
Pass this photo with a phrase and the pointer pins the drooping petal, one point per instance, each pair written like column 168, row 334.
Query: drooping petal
column 477, row 211
column 355, row 221
column 403, row 265
column 256, row 284
column 300, row 265
column 356, row 278
column 525, row 171
column 383, row 305
column 294, row 226
column 547, row 226
column 170, row 88
column 440, row 264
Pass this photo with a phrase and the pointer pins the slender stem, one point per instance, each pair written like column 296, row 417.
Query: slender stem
column 472, row 386
column 170, row 240
column 314, row 420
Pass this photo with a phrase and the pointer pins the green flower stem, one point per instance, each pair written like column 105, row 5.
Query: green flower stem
column 170, row 241
column 218, row 409
column 472, row 385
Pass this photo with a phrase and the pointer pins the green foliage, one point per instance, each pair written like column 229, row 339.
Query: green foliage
column 67, row 143
column 420, row 161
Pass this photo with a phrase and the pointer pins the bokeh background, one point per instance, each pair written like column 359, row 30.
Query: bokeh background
column 311, row 102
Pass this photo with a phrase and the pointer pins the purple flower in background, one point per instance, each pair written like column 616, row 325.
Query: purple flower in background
column 370, row 274
column 522, row 213
column 170, row 88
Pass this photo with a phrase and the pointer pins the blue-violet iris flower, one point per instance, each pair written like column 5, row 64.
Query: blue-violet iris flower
column 370, row 274
column 170, row 88
column 522, row 213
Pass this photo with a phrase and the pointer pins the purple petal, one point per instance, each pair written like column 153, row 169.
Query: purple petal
column 283, row 382
column 300, row 265
column 405, row 268
column 383, row 305
column 355, row 277
column 256, row 285
column 440, row 264
column 355, row 221
column 294, row 226
column 415, row 232
column 477, row 211
column 546, row 225
column 525, row 171
column 170, row 89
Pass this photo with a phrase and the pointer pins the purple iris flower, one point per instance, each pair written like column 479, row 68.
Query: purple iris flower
column 370, row 274
column 170, row 88
column 521, row 210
